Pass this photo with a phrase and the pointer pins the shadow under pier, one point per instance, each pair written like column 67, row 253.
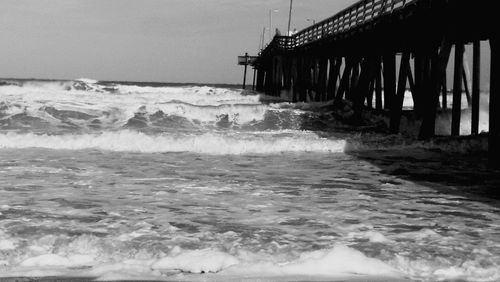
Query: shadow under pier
column 464, row 174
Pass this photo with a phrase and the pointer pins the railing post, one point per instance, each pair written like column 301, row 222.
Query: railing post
column 364, row 11
column 373, row 8
column 382, row 7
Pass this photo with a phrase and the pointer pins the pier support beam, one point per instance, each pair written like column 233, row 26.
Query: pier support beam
column 378, row 86
column 278, row 78
column 313, row 90
column 444, row 93
column 411, row 83
column 260, row 80
column 476, row 88
column 439, row 62
column 494, row 135
column 354, row 80
column 294, row 77
column 322, row 80
column 254, row 78
column 389, row 79
column 397, row 103
column 307, row 79
column 419, row 80
column 466, row 79
column 304, row 74
column 457, row 90
column 268, row 80
column 287, row 74
column 333, row 77
column 362, row 87
column 344, row 82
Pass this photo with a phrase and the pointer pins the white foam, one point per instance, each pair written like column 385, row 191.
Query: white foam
column 87, row 80
column 7, row 245
column 122, row 264
column 442, row 270
column 203, row 96
column 209, row 143
column 468, row 271
column 422, row 234
column 341, row 259
column 203, row 104
column 57, row 260
column 372, row 236
column 236, row 113
column 338, row 261
column 197, row 261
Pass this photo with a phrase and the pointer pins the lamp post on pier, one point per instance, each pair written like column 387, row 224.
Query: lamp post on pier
column 290, row 18
column 262, row 39
column 271, row 23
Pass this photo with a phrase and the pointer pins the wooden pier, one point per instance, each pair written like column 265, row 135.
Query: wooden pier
column 373, row 51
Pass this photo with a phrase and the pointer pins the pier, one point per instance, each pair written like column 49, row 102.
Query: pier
column 373, row 51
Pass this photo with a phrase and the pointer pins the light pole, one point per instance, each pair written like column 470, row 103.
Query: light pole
column 271, row 23
column 290, row 18
column 262, row 38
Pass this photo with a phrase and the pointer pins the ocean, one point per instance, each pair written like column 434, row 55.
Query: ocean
column 141, row 181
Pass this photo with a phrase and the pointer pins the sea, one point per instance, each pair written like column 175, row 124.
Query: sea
column 123, row 181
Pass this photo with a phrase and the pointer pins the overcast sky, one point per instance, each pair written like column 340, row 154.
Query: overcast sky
column 142, row 40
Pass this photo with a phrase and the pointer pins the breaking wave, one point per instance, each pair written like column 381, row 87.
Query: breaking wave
column 83, row 106
column 105, row 260
column 108, row 258
column 208, row 143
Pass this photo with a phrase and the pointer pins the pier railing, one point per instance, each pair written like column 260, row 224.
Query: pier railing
column 356, row 15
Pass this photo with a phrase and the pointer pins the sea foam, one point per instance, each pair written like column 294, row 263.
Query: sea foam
column 197, row 261
column 105, row 259
column 339, row 261
column 208, row 143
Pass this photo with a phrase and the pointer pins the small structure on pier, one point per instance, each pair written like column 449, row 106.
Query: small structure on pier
column 245, row 61
column 353, row 56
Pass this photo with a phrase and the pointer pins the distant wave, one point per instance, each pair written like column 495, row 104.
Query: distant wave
column 198, row 95
column 208, row 143
column 86, row 105
column 87, row 80
column 49, row 116
column 82, row 84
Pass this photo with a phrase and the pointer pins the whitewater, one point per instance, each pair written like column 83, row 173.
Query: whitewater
column 144, row 181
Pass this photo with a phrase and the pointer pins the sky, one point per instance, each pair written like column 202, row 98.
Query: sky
column 143, row 40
